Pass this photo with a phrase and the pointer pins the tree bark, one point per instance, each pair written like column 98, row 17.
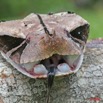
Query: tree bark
column 86, row 86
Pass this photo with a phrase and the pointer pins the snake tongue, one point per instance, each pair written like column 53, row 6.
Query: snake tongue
column 51, row 74
column 50, row 78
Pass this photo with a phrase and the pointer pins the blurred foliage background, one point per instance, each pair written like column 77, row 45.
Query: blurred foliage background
column 91, row 10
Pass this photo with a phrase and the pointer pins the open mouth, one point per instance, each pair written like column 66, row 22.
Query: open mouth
column 63, row 65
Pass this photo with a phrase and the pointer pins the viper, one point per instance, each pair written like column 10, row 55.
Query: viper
column 45, row 45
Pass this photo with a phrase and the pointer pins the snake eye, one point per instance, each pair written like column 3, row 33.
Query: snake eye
column 81, row 33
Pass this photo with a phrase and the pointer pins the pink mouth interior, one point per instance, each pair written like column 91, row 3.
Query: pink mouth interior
column 63, row 65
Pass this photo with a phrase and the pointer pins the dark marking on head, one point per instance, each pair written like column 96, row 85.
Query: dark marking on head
column 25, row 25
column 68, row 33
column 70, row 12
column 51, row 13
column 81, row 32
column 70, row 36
column 2, row 20
column 44, row 26
column 10, row 42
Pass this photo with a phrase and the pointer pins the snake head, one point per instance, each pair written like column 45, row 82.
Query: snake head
column 39, row 41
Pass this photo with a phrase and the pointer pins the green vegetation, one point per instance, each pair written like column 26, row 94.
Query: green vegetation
column 14, row 9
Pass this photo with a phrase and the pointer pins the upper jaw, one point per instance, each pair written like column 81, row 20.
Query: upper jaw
column 48, row 47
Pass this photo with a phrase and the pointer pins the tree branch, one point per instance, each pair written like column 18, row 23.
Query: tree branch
column 86, row 85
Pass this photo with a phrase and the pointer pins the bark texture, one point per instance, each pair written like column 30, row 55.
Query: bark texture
column 86, row 86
